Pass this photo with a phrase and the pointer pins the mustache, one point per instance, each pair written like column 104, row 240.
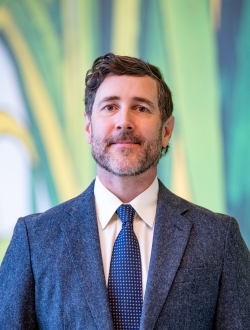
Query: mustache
column 125, row 136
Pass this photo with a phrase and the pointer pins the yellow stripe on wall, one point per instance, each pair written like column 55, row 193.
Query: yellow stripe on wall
column 8, row 125
column 43, row 111
column 180, row 183
column 126, row 24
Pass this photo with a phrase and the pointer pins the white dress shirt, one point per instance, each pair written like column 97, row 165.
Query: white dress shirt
column 109, row 224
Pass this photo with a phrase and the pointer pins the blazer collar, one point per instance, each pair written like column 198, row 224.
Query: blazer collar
column 171, row 234
column 80, row 228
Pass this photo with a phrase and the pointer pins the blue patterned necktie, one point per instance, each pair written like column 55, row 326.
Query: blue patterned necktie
column 125, row 276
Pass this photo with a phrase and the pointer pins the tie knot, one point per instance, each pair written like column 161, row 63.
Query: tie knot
column 126, row 213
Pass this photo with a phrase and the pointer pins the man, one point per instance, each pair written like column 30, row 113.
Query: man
column 64, row 268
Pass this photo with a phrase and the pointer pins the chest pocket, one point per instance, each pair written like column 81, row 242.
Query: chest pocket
column 208, row 273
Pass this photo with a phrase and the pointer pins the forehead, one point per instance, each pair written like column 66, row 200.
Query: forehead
column 128, row 87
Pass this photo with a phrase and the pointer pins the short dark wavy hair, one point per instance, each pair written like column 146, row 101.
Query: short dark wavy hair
column 126, row 65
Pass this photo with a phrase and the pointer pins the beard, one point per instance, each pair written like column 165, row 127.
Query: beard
column 121, row 163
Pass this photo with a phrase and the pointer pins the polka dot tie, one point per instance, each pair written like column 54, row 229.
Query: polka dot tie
column 125, row 277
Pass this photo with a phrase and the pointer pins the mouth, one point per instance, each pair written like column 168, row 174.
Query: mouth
column 125, row 142
column 125, row 139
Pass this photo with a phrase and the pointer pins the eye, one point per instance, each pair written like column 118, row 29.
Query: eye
column 109, row 107
column 142, row 109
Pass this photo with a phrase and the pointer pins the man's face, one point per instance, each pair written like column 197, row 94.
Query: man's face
column 126, row 132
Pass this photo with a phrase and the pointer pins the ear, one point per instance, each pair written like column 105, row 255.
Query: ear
column 167, row 130
column 87, row 128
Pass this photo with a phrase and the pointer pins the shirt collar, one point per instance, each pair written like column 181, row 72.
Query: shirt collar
column 144, row 204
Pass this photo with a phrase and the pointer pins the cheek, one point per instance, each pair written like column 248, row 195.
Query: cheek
column 100, row 129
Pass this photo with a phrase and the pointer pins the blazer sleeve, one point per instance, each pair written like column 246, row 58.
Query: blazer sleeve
column 17, row 290
column 233, row 308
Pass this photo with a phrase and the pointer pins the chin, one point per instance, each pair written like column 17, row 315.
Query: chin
column 126, row 170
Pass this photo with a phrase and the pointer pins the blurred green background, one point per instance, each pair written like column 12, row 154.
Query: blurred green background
column 46, row 46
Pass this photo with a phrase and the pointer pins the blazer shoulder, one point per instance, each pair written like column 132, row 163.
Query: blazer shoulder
column 196, row 214
column 55, row 213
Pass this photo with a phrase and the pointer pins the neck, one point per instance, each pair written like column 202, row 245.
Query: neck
column 126, row 188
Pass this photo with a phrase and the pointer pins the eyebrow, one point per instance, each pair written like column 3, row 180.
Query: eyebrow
column 109, row 98
column 136, row 98
column 143, row 100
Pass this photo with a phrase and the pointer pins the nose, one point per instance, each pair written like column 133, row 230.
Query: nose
column 124, row 120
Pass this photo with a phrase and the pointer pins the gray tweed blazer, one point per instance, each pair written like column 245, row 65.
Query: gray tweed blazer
column 199, row 276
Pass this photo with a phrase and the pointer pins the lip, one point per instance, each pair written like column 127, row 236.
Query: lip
column 124, row 143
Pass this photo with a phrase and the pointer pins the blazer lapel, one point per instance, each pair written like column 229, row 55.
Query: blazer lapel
column 171, row 234
column 81, row 232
